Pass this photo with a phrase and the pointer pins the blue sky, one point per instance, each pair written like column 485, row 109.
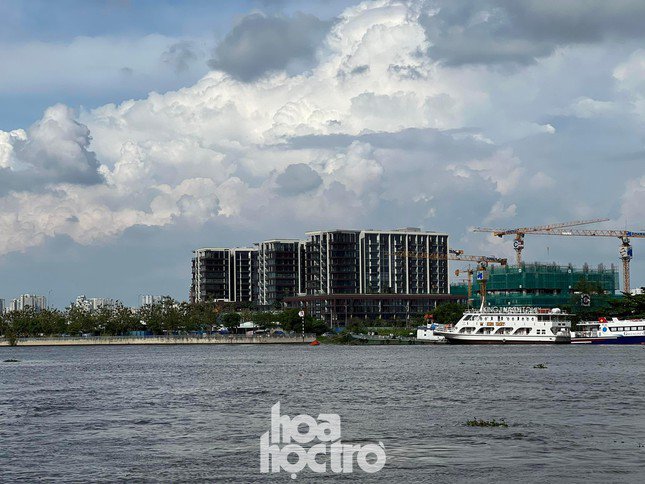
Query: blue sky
column 134, row 132
column 60, row 22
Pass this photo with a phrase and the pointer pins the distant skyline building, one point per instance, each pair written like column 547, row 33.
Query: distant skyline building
column 95, row 303
column 279, row 270
column 2, row 308
column 149, row 299
column 25, row 301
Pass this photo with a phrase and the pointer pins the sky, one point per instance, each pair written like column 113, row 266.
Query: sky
column 132, row 132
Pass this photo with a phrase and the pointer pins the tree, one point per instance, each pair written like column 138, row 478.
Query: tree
column 230, row 320
column 629, row 306
column 448, row 313
column 585, row 286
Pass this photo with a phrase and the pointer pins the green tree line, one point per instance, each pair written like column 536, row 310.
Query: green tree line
column 167, row 317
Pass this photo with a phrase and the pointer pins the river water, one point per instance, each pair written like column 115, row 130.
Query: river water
column 196, row 413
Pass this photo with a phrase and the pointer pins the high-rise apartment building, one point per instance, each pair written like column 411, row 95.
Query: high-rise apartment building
column 220, row 274
column 403, row 261
column 243, row 275
column 332, row 262
column 210, row 275
column 279, row 268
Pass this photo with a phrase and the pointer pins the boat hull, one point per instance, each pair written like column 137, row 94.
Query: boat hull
column 466, row 339
column 618, row 340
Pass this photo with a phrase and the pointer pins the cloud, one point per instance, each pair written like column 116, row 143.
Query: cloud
column 503, row 168
column 259, row 44
column 53, row 150
column 510, row 32
column 376, row 133
column 298, row 178
column 585, row 107
column 632, row 203
column 181, row 55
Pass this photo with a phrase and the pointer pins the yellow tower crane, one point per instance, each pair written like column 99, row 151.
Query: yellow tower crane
column 625, row 249
column 518, row 243
column 562, row 229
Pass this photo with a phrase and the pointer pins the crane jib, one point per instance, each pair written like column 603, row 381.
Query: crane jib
column 635, row 234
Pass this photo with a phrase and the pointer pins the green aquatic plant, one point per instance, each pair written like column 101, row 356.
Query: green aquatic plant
column 486, row 423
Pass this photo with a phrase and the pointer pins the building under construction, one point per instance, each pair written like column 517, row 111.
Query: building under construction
column 543, row 285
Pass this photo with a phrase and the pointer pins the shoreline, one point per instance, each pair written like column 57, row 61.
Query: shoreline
column 156, row 340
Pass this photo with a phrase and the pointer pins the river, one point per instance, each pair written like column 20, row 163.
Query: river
column 196, row 413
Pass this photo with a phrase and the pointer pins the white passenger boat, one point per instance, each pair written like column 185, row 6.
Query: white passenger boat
column 615, row 331
column 429, row 333
column 508, row 325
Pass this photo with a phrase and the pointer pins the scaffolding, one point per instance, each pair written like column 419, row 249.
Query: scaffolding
column 543, row 285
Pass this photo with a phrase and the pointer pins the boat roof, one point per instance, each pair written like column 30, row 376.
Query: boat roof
column 611, row 321
column 513, row 310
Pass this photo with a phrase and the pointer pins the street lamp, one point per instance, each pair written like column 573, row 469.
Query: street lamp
column 301, row 313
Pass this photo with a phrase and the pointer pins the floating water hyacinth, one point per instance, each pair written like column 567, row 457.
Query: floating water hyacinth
column 486, row 423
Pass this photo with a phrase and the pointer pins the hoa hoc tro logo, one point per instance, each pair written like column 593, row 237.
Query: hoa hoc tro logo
column 281, row 449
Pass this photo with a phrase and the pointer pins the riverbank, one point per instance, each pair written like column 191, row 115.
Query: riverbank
column 159, row 340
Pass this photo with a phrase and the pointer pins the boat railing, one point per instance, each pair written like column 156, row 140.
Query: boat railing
column 585, row 334
column 513, row 310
